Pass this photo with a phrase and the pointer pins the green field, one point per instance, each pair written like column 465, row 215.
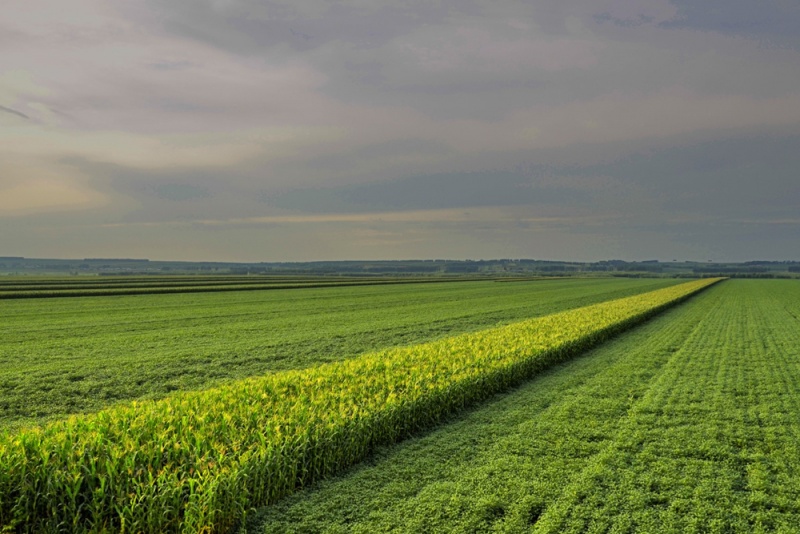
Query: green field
column 72, row 355
column 621, row 421
column 88, row 286
column 689, row 423
column 197, row 461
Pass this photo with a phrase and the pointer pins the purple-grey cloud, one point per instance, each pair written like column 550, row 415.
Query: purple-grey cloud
column 560, row 127
column 14, row 112
column 773, row 21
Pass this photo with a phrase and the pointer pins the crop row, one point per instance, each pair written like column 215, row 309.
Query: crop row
column 22, row 284
column 713, row 444
column 161, row 288
column 197, row 462
column 133, row 279
column 8, row 288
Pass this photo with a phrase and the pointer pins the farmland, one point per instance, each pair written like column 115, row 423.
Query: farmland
column 534, row 406
column 689, row 423
column 43, row 287
column 70, row 355
column 197, row 461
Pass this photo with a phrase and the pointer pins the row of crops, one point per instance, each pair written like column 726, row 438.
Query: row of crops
column 199, row 461
column 84, row 281
column 47, row 288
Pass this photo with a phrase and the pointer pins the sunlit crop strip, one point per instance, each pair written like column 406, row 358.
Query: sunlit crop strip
column 198, row 461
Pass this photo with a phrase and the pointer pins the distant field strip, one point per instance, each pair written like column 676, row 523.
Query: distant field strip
column 689, row 423
column 141, row 286
column 65, row 356
column 197, row 461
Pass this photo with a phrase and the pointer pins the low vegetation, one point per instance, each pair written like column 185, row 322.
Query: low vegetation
column 688, row 423
column 74, row 355
column 199, row 461
column 20, row 288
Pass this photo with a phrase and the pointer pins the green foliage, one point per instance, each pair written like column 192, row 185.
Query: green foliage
column 689, row 423
column 72, row 355
column 196, row 462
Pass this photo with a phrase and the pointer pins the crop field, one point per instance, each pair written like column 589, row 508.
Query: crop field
column 198, row 461
column 688, row 423
column 73, row 355
column 43, row 287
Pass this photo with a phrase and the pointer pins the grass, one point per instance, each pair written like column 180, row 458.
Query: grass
column 689, row 423
column 196, row 462
column 66, row 356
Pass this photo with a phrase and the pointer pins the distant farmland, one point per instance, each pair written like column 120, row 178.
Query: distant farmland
column 636, row 408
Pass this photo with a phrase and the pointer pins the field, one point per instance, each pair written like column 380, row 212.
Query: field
column 71, row 355
column 629, row 409
column 197, row 461
column 689, row 423
column 50, row 287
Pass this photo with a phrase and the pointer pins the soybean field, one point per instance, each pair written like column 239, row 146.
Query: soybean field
column 688, row 423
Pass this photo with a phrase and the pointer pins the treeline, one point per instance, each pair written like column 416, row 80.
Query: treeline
column 379, row 268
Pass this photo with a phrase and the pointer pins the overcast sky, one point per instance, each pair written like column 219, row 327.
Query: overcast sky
column 251, row 130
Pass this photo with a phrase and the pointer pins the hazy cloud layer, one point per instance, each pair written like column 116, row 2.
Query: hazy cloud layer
column 777, row 22
column 251, row 130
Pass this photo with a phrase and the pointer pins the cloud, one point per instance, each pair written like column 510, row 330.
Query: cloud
column 772, row 21
column 248, row 26
column 518, row 214
column 14, row 112
column 638, row 121
column 179, row 192
column 35, row 187
column 172, row 65
column 625, row 23
column 688, row 187
column 46, row 196
column 454, row 190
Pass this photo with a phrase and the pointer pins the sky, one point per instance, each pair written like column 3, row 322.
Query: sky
column 297, row 130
